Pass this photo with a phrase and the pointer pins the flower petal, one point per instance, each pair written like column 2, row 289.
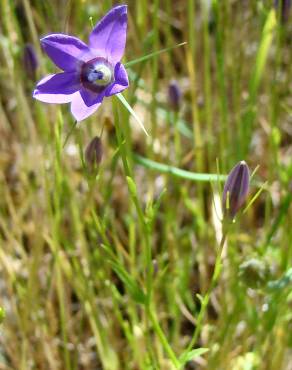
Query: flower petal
column 121, row 81
column 65, row 51
column 57, row 88
column 90, row 98
column 109, row 35
column 80, row 110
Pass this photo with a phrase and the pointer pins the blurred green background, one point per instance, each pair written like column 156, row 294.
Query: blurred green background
column 75, row 245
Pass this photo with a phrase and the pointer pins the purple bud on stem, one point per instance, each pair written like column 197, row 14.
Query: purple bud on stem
column 94, row 152
column 235, row 190
column 174, row 95
column 285, row 6
column 30, row 61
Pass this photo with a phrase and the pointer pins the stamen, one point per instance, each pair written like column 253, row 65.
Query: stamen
column 97, row 74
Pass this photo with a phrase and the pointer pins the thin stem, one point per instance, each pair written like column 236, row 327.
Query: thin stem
column 205, row 300
column 123, row 138
column 177, row 139
column 163, row 339
column 59, row 278
column 177, row 172
column 69, row 133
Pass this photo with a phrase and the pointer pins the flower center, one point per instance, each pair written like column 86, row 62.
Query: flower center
column 96, row 74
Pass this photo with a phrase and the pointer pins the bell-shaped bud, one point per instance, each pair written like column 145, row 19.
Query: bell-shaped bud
column 174, row 95
column 30, row 61
column 235, row 189
column 93, row 152
column 254, row 273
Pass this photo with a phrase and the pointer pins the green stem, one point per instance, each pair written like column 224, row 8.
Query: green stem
column 164, row 168
column 123, row 138
column 163, row 339
column 56, row 232
column 205, row 300
column 177, row 139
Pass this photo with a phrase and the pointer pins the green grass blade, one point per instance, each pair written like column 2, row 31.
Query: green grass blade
column 151, row 55
column 190, row 355
column 132, row 112
column 262, row 54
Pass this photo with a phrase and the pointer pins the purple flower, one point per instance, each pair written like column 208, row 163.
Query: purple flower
column 90, row 72
column 235, row 189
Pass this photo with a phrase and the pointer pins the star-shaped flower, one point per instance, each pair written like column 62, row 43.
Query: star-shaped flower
column 90, row 72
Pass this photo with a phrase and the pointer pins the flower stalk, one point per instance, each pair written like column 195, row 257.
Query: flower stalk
column 205, row 300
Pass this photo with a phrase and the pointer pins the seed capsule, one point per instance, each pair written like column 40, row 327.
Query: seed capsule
column 236, row 189
column 174, row 95
column 94, row 152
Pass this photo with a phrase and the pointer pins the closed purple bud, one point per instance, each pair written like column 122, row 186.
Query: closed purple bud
column 235, row 189
column 285, row 6
column 174, row 95
column 93, row 152
column 30, row 61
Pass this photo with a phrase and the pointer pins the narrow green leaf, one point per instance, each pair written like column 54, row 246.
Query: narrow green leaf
column 69, row 134
column 151, row 55
column 133, row 288
column 130, row 283
column 163, row 168
column 131, row 110
column 264, row 47
column 190, row 355
column 253, row 199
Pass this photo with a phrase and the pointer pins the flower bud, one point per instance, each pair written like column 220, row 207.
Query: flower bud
column 174, row 95
column 30, row 61
column 93, row 152
column 254, row 273
column 235, row 189
column 284, row 6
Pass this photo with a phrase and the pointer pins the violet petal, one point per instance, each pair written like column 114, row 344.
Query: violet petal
column 121, row 81
column 65, row 51
column 80, row 110
column 57, row 88
column 109, row 35
column 91, row 98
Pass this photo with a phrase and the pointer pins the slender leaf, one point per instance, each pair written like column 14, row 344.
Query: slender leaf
column 164, row 168
column 151, row 55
